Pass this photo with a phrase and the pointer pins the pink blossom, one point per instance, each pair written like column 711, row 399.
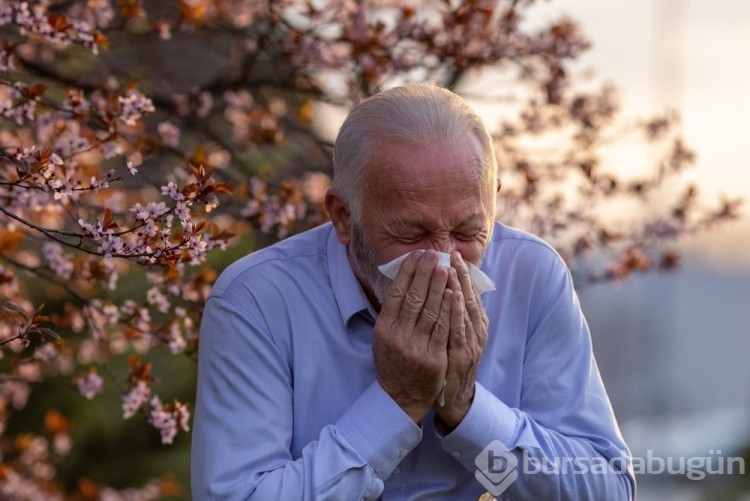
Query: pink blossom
column 197, row 248
column 134, row 399
column 55, row 159
column 177, row 343
column 97, row 184
column 69, row 145
column 133, row 106
column 181, row 211
column 57, row 261
column 169, row 420
column 95, row 12
column 6, row 14
column 152, row 210
column 15, row 486
column 89, row 229
column 212, row 201
column 172, row 192
column 149, row 229
column 156, row 297
column 111, row 313
column 75, row 102
column 89, row 385
column 110, row 149
column 62, row 443
column 169, row 133
column 46, row 353
column 62, row 189
column 111, row 275
column 165, row 31
column 205, row 104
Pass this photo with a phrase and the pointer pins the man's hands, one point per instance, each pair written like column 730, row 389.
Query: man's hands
column 468, row 335
column 411, row 334
column 431, row 328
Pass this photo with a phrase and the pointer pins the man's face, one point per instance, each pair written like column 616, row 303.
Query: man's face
column 420, row 197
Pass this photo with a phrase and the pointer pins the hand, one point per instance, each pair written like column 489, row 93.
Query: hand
column 468, row 335
column 411, row 334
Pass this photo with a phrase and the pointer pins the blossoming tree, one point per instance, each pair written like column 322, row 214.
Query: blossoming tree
column 138, row 138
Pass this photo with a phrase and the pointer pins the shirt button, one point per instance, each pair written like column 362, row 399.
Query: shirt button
column 402, row 453
column 396, row 470
column 456, row 454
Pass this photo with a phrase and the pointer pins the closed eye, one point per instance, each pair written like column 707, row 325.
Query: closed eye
column 465, row 236
column 411, row 239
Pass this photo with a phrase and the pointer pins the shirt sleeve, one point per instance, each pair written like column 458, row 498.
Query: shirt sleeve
column 243, row 424
column 563, row 441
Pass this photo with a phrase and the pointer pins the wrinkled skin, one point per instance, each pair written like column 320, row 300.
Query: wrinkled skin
column 431, row 326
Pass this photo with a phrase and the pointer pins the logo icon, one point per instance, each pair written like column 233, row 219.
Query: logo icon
column 496, row 468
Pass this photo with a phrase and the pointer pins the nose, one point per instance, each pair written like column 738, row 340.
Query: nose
column 445, row 244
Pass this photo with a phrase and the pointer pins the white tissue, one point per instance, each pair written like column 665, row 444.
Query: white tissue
column 441, row 397
column 480, row 280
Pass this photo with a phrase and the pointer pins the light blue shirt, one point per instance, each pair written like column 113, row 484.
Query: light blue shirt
column 288, row 406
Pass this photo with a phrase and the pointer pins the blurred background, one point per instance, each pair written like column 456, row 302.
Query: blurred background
column 674, row 348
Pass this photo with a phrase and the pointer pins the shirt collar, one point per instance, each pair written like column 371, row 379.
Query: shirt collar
column 347, row 290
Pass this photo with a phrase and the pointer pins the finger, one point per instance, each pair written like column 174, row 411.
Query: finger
column 462, row 272
column 471, row 333
column 418, row 291
column 432, row 307
column 441, row 330
column 457, row 337
column 467, row 288
column 453, row 282
column 394, row 298
column 455, row 285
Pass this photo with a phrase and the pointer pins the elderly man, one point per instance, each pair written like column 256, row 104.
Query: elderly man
column 321, row 378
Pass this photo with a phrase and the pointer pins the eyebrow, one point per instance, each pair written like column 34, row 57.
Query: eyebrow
column 473, row 220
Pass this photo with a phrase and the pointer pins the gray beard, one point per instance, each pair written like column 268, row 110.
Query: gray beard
column 364, row 264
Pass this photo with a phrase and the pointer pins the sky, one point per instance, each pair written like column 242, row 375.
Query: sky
column 689, row 55
column 673, row 348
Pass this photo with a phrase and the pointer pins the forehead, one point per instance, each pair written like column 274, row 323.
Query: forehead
column 421, row 181
column 404, row 166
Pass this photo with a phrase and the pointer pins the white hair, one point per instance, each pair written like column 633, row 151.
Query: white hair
column 416, row 114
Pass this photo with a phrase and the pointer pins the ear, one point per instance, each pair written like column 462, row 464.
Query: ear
column 339, row 214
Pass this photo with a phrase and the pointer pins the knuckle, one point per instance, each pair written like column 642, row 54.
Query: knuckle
column 397, row 290
column 441, row 326
column 429, row 316
column 413, row 299
column 471, row 303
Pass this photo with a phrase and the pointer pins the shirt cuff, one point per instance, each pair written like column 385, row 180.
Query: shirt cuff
column 488, row 419
column 379, row 430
